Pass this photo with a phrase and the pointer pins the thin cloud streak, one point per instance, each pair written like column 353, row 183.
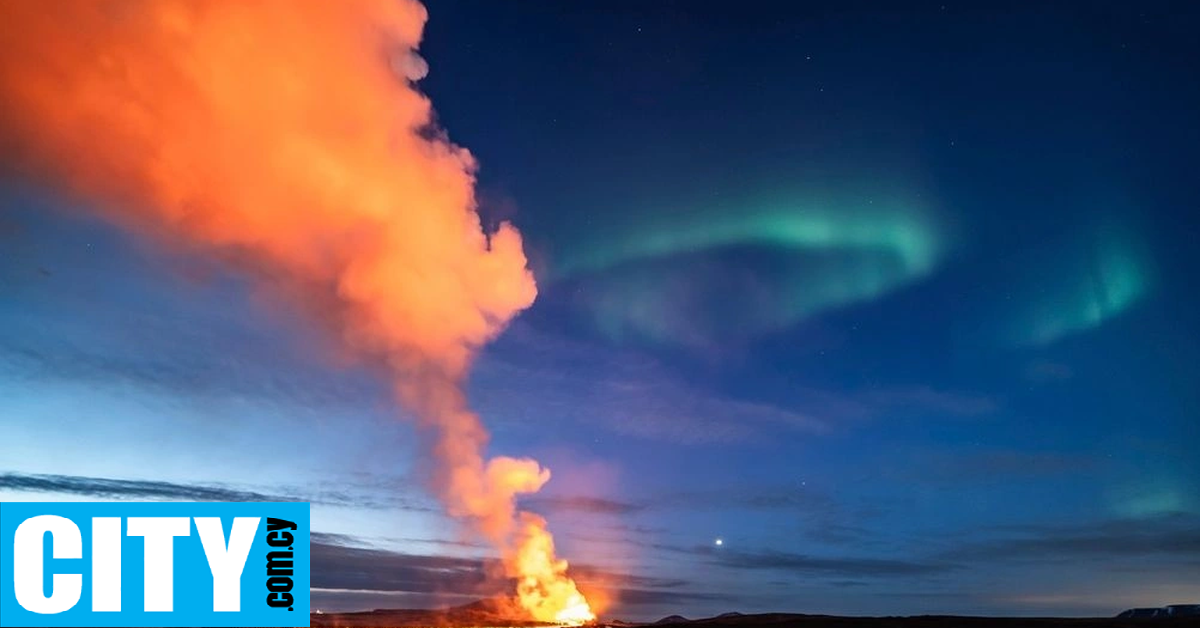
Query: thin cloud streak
column 112, row 488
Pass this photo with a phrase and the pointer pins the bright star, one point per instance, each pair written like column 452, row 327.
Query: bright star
column 719, row 542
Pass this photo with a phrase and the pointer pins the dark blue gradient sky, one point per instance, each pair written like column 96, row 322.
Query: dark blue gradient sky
column 897, row 303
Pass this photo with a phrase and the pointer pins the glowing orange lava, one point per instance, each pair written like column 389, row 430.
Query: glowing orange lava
column 543, row 586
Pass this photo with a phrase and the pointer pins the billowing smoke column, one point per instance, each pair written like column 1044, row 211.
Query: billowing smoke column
column 288, row 136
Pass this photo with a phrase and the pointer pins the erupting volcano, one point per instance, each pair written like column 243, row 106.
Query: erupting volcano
column 289, row 138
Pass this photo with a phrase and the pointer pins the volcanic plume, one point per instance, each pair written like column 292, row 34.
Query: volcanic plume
column 289, row 136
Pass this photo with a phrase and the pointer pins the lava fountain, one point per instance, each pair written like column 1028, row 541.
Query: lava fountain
column 289, row 139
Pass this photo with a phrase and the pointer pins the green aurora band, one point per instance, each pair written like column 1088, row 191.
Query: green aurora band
column 1099, row 276
column 656, row 279
column 906, row 235
column 666, row 277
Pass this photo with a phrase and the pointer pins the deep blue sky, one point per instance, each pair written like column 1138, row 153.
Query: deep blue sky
column 898, row 303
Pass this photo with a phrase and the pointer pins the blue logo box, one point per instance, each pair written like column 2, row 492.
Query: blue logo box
column 154, row 564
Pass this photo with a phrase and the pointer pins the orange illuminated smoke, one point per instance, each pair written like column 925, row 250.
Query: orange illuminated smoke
column 288, row 137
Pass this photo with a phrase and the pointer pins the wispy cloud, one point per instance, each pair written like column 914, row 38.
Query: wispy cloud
column 207, row 367
column 843, row 567
column 995, row 465
column 112, row 488
column 109, row 488
column 1175, row 536
column 642, row 401
column 781, row 497
column 339, row 566
column 584, row 504
column 533, row 375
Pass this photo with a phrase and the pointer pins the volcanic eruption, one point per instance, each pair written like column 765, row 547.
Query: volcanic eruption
column 289, row 139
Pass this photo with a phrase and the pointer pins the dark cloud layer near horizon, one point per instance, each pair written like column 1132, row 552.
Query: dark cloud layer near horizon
column 127, row 489
column 347, row 563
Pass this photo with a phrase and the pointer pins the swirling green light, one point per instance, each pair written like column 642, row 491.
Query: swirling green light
column 1096, row 282
column 801, row 225
column 656, row 279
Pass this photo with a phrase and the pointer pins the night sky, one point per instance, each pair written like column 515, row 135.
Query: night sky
column 843, row 308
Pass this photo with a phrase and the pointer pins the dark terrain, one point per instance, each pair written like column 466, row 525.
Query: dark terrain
column 486, row 613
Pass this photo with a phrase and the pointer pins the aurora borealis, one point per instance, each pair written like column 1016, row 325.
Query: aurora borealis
column 896, row 301
column 797, row 222
column 801, row 254
column 1099, row 276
